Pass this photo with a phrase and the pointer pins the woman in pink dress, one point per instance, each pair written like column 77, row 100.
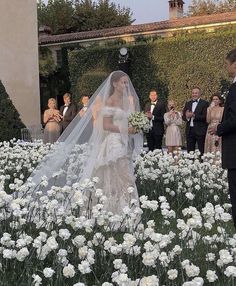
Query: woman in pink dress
column 173, row 120
column 51, row 118
column 214, row 116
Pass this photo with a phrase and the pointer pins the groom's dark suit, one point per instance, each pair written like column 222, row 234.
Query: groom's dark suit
column 197, row 132
column 69, row 115
column 227, row 129
column 155, row 135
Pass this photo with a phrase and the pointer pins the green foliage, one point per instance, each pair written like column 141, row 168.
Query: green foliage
column 207, row 7
column 194, row 59
column 171, row 65
column 85, row 65
column 65, row 16
column 10, row 123
column 47, row 64
column 106, row 59
column 90, row 81
column 104, row 14
column 58, row 15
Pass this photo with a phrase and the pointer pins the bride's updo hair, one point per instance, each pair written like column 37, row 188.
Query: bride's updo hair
column 116, row 76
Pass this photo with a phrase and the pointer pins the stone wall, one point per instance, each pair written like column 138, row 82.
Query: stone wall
column 19, row 57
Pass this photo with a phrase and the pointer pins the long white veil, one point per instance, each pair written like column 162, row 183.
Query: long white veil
column 75, row 155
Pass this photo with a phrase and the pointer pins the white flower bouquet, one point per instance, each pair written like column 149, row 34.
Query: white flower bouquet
column 139, row 121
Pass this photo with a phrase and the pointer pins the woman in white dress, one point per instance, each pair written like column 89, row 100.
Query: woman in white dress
column 173, row 120
column 110, row 145
column 113, row 166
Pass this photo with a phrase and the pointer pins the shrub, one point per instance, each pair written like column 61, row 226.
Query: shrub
column 10, row 122
column 89, row 82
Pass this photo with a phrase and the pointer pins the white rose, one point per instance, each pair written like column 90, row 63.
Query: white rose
column 48, row 272
column 37, row 280
column 22, row 254
column 52, row 243
column 230, row 271
column 211, row 276
column 172, row 274
column 117, row 263
column 64, row 234
column 69, row 271
column 84, row 267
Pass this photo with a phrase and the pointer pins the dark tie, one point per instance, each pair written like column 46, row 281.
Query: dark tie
column 153, row 103
column 195, row 101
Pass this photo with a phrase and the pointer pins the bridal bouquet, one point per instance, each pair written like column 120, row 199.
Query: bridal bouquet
column 139, row 121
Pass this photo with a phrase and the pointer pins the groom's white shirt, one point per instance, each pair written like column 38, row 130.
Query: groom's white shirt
column 65, row 109
column 151, row 109
column 234, row 80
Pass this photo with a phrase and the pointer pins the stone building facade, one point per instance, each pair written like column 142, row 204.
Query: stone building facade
column 19, row 70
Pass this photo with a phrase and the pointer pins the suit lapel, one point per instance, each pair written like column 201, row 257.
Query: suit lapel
column 190, row 105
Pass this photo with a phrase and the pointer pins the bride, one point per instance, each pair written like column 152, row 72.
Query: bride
column 100, row 144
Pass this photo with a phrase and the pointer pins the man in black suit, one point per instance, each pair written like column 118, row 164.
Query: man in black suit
column 83, row 105
column 155, row 110
column 68, row 111
column 227, row 129
column 194, row 113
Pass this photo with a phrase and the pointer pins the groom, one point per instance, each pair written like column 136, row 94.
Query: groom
column 227, row 129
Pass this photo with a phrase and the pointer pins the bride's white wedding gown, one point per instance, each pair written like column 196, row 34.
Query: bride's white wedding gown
column 85, row 150
column 114, row 166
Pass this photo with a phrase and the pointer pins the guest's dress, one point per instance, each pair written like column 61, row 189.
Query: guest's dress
column 52, row 128
column 213, row 142
column 173, row 134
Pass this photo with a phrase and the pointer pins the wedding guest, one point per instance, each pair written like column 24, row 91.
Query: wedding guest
column 155, row 110
column 51, row 118
column 214, row 116
column 173, row 119
column 68, row 111
column 83, row 105
column 194, row 113
column 227, row 130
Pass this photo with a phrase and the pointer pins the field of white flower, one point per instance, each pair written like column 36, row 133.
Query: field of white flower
column 185, row 235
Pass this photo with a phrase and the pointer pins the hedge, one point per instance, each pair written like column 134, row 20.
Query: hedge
column 172, row 65
column 10, row 122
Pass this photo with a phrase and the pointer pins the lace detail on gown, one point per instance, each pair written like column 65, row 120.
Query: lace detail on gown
column 114, row 145
column 114, row 166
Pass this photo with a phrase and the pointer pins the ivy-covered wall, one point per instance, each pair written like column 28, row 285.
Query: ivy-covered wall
column 172, row 65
